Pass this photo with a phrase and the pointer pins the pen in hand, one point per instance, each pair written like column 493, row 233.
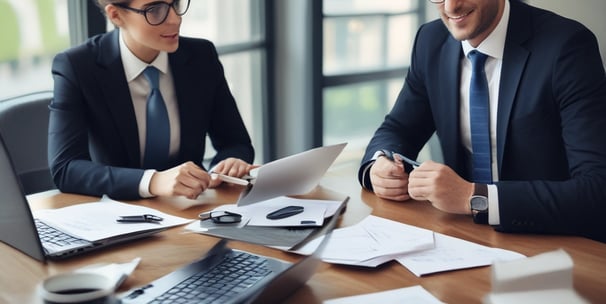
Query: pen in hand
column 144, row 218
column 405, row 159
column 395, row 156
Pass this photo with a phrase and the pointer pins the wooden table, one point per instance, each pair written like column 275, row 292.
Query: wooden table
column 171, row 249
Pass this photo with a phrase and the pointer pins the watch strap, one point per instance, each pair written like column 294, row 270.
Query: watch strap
column 480, row 189
column 480, row 217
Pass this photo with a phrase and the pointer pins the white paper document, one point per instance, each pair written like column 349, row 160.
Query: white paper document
column 292, row 175
column 372, row 242
column 414, row 294
column 314, row 212
column 116, row 272
column 97, row 220
column 452, row 253
column 376, row 240
column 255, row 228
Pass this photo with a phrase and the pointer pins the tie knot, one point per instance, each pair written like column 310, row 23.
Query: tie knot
column 477, row 58
column 151, row 74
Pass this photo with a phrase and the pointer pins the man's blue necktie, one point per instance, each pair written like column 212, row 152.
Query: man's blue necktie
column 157, row 138
column 479, row 119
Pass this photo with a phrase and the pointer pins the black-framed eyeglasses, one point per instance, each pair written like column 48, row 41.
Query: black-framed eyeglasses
column 436, row 1
column 156, row 13
column 221, row 217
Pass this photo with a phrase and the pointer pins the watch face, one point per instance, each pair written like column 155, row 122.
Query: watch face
column 479, row 203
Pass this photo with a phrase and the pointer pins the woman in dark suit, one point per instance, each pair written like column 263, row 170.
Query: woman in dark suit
column 97, row 129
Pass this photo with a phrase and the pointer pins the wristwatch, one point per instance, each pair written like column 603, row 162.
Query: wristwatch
column 479, row 204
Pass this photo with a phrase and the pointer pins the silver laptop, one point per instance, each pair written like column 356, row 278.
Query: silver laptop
column 20, row 230
column 226, row 275
column 292, row 175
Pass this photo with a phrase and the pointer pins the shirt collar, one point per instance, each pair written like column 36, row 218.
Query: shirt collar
column 134, row 66
column 494, row 44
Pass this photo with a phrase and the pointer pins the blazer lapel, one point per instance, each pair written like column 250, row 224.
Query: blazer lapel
column 514, row 63
column 186, row 82
column 116, row 94
column 450, row 60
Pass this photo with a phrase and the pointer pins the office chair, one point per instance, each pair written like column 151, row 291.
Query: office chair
column 24, row 127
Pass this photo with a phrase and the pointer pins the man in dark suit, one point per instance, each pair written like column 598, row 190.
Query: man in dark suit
column 547, row 110
column 97, row 123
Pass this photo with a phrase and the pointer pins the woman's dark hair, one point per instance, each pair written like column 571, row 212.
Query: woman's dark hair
column 103, row 3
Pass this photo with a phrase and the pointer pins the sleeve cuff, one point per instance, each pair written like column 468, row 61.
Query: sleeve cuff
column 144, row 183
column 364, row 174
column 493, row 205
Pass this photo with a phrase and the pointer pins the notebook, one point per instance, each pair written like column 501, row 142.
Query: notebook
column 19, row 229
column 251, row 279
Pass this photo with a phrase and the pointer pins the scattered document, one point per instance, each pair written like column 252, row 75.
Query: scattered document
column 97, row 220
column 415, row 294
column 376, row 240
column 452, row 253
column 116, row 272
column 314, row 212
column 372, row 242
column 254, row 228
column 544, row 278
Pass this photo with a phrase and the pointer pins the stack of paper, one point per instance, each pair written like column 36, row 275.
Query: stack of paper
column 544, row 278
column 376, row 240
column 372, row 242
column 452, row 253
column 256, row 228
column 97, row 220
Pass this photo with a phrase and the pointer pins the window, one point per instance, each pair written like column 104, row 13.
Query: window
column 236, row 28
column 33, row 31
column 366, row 51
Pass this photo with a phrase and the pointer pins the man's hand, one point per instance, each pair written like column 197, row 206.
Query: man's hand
column 187, row 180
column 232, row 167
column 389, row 180
column 440, row 185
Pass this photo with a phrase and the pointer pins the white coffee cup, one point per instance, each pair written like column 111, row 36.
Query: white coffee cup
column 77, row 287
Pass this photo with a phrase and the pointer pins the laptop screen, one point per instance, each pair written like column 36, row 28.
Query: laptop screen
column 291, row 175
column 15, row 214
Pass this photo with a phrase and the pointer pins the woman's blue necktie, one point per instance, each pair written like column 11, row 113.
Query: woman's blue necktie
column 157, row 138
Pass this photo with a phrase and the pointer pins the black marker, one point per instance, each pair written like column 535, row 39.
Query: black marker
column 285, row 212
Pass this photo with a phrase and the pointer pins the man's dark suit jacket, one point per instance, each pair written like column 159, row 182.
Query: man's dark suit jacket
column 551, row 111
column 93, row 143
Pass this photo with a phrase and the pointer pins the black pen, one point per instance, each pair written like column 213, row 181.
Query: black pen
column 144, row 218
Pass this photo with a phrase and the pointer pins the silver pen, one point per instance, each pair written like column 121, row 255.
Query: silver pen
column 407, row 160
column 143, row 218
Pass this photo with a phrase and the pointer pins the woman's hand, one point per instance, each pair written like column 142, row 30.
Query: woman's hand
column 187, row 180
column 232, row 167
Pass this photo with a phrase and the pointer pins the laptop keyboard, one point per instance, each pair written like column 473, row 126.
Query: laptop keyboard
column 237, row 272
column 56, row 238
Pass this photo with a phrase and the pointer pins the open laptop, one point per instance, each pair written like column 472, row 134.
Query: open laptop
column 268, row 280
column 20, row 230
column 291, row 175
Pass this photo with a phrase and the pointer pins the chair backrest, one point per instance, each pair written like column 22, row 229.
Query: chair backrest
column 24, row 127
